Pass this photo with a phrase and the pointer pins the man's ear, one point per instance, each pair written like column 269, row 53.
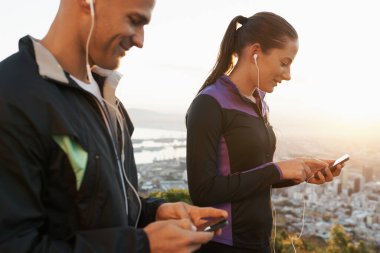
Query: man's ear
column 85, row 5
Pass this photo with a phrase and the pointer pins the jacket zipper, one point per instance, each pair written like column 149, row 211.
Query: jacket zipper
column 118, row 160
column 93, row 202
column 266, row 125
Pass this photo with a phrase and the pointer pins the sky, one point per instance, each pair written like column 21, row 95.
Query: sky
column 335, row 85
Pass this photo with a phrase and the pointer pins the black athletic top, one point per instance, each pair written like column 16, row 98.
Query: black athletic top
column 230, row 147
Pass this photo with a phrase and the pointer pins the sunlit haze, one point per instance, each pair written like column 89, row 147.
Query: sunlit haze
column 334, row 87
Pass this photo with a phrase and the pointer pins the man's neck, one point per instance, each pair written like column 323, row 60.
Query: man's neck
column 63, row 43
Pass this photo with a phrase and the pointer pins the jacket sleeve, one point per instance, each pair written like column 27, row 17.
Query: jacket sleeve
column 149, row 209
column 206, row 185
column 284, row 183
column 23, row 211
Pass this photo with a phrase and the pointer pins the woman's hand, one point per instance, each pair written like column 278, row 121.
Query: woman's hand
column 326, row 175
column 301, row 169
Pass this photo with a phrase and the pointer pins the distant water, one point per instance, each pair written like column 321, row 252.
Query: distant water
column 158, row 144
column 151, row 133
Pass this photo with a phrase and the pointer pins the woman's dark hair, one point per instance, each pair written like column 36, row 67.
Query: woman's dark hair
column 266, row 28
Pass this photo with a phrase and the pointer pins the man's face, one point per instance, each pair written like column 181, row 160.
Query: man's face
column 119, row 25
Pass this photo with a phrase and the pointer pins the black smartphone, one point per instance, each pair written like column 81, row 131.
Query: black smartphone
column 212, row 225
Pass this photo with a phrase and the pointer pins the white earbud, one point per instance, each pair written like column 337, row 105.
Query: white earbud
column 91, row 3
column 255, row 58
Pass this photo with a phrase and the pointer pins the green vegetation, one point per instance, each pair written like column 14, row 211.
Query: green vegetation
column 173, row 195
column 339, row 242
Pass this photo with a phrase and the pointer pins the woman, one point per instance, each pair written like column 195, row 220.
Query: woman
column 230, row 143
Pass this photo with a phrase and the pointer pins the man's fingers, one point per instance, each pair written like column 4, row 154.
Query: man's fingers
column 194, row 247
column 218, row 231
column 181, row 210
column 196, row 238
column 186, row 224
column 198, row 214
column 172, row 211
column 201, row 237
column 204, row 212
column 175, row 236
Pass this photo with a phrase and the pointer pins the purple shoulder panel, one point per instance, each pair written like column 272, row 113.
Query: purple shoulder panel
column 227, row 95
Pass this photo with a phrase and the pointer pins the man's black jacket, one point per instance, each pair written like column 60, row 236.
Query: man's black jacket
column 61, row 188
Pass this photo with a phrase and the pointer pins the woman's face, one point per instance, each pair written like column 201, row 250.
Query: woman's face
column 275, row 65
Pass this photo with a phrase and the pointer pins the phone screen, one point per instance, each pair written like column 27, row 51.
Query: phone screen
column 212, row 225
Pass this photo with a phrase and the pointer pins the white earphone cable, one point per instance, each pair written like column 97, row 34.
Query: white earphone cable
column 121, row 123
column 303, row 216
column 274, row 222
column 258, row 74
column 303, row 220
column 88, row 67
column 118, row 117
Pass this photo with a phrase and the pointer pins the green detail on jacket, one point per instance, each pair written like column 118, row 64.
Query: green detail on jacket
column 75, row 153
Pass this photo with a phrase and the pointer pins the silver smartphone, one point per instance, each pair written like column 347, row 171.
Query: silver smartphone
column 340, row 160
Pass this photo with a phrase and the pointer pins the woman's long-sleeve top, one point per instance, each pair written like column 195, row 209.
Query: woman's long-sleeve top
column 230, row 148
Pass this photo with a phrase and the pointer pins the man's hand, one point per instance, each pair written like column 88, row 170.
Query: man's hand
column 181, row 210
column 175, row 236
column 175, row 228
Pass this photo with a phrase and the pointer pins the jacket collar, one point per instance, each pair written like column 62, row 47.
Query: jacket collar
column 48, row 66
column 227, row 81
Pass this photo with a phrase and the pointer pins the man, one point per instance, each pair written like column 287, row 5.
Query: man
column 67, row 172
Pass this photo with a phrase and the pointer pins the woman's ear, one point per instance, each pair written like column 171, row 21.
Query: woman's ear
column 255, row 48
column 255, row 52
